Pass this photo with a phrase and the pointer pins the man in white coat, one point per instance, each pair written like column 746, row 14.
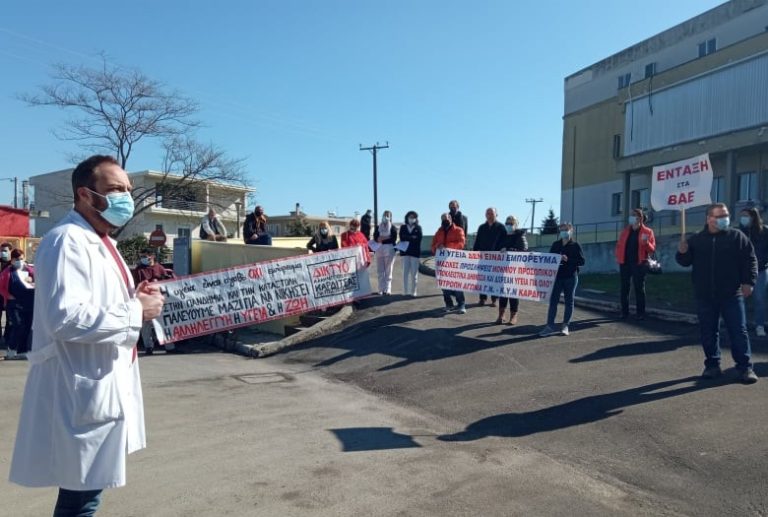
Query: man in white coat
column 83, row 411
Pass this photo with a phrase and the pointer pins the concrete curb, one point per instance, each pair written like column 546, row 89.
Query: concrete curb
column 270, row 348
column 425, row 268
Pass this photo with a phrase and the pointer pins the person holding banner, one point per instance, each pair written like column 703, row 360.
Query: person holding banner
column 450, row 236
column 149, row 270
column 513, row 241
column 386, row 235
column 571, row 258
column 83, row 411
column 752, row 225
column 354, row 237
column 636, row 243
column 490, row 236
column 323, row 239
column 410, row 235
column 724, row 273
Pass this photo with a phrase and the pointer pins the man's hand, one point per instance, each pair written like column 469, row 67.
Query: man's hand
column 746, row 290
column 440, row 246
column 682, row 246
column 564, row 258
column 151, row 300
column 503, row 250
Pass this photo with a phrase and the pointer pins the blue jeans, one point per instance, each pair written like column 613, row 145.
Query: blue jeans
column 758, row 296
column 77, row 503
column 567, row 286
column 732, row 310
column 447, row 297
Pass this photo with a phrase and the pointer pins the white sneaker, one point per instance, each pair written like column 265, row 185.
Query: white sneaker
column 462, row 309
column 564, row 330
column 760, row 331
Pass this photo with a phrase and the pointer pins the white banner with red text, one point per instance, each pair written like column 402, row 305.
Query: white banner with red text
column 224, row 299
column 683, row 184
column 523, row 275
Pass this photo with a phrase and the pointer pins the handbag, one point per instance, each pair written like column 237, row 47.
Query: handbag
column 652, row 265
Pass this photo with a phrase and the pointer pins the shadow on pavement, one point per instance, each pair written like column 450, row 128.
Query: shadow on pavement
column 577, row 412
column 356, row 439
column 638, row 348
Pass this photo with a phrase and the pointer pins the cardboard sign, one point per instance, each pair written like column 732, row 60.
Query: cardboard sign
column 523, row 275
column 683, row 184
column 220, row 300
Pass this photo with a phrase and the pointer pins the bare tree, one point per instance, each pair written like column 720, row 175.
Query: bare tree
column 116, row 107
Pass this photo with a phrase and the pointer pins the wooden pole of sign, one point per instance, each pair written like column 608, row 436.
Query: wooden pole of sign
column 682, row 225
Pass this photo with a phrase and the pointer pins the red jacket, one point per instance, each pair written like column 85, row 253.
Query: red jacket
column 452, row 238
column 644, row 246
column 349, row 239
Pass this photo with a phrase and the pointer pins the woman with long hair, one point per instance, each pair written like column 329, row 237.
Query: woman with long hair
column 751, row 224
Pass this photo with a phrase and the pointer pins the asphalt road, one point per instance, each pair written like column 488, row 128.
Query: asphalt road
column 621, row 401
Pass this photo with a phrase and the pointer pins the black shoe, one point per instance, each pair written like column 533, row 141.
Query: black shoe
column 174, row 351
column 624, row 317
column 149, row 351
column 712, row 372
column 640, row 317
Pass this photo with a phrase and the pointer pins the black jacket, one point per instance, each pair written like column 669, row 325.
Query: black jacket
column 460, row 220
column 253, row 226
column 572, row 250
column 515, row 241
column 490, row 237
column 760, row 243
column 721, row 261
column 365, row 225
column 317, row 243
column 392, row 239
column 413, row 239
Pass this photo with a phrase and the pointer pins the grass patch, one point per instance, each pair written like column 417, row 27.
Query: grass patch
column 665, row 291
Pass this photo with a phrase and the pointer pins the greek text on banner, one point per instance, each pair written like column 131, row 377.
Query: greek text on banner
column 216, row 301
column 683, row 184
column 523, row 275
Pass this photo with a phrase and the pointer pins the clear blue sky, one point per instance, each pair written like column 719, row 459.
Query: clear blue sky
column 469, row 94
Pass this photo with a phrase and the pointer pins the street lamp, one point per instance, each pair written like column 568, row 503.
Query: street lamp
column 15, row 181
column 238, row 204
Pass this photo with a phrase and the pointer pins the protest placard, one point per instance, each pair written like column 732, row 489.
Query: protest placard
column 523, row 275
column 683, row 184
column 224, row 299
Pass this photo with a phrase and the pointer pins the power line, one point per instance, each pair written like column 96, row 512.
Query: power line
column 374, row 149
column 533, row 209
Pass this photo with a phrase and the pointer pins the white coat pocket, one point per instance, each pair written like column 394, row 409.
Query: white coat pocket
column 96, row 400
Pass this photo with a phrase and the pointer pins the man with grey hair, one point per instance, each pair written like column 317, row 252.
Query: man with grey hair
column 212, row 228
column 490, row 237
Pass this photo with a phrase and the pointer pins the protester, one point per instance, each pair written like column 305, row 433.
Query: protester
column 635, row 245
column 752, row 225
column 354, row 237
column 365, row 224
column 514, row 240
column 457, row 217
column 490, row 236
column 255, row 228
column 411, row 233
column 323, row 239
column 724, row 273
column 212, row 227
column 386, row 235
column 150, row 271
column 5, row 261
column 571, row 258
column 452, row 237
column 17, row 286
column 82, row 410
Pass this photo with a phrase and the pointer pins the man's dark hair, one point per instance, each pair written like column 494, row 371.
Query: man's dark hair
column 148, row 251
column 6, row 245
column 711, row 208
column 82, row 176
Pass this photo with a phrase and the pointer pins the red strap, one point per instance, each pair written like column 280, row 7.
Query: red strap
column 123, row 273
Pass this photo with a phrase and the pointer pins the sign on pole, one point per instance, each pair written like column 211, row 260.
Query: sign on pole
column 683, row 184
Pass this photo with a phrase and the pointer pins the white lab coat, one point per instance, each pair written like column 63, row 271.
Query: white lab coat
column 82, row 411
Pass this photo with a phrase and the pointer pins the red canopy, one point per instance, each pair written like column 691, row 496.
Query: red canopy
column 14, row 222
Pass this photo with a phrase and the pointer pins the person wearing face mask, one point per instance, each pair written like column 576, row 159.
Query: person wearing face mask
column 514, row 240
column 452, row 237
column 17, row 283
column 724, row 272
column 365, row 224
column 457, row 217
column 323, row 239
column 571, row 259
column 82, row 412
column 411, row 233
column 490, row 236
column 636, row 243
column 5, row 261
column 752, row 225
column 255, row 228
column 148, row 270
column 386, row 235
column 354, row 237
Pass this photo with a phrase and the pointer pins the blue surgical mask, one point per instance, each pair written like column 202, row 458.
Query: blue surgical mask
column 723, row 223
column 411, row 221
column 565, row 234
column 745, row 220
column 5, row 255
column 323, row 231
column 119, row 208
column 144, row 261
column 18, row 264
column 632, row 219
column 510, row 228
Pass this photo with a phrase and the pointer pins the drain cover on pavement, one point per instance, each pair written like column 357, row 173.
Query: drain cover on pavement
column 264, row 378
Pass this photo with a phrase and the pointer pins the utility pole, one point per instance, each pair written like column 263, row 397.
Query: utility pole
column 15, row 181
column 375, row 149
column 533, row 210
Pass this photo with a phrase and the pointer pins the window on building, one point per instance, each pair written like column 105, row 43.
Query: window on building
column 159, row 227
column 650, row 70
column 747, row 186
column 183, row 232
column 718, row 189
column 616, row 204
column 617, row 146
column 641, row 198
column 624, row 80
column 707, row 47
